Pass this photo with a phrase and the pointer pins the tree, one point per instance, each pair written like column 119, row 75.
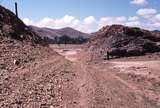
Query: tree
column 65, row 39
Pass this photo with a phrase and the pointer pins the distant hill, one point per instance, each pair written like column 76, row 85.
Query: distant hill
column 62, row 36
column 158, row 31
column 122, row 41
column 52, row 33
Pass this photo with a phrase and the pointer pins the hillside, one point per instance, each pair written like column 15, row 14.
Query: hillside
column 17, row 41
column 122, row 41
column 61, row 36
column 52, row 33
column 13, row 27
column 21, row 53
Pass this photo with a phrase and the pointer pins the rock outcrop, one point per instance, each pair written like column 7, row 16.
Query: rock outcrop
column 122, row 41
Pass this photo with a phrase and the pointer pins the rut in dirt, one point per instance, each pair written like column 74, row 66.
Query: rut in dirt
column 98, row 86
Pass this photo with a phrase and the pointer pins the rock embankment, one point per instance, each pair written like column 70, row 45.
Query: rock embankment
column 122, row 41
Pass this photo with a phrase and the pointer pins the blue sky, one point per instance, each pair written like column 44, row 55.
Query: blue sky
column 87, row 15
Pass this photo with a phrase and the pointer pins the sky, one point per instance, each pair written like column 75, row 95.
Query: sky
column 88, row 15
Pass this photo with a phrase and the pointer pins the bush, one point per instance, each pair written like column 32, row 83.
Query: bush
column 134, row 32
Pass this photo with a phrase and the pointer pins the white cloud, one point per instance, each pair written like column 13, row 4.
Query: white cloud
column 157, row 18
column 155, row 21
column 45, row 22
column 146, row 12
column 139, row 2
column 133, row 23
column 134, row 18
column 28, row 21
column 111, row 20
column 89, row 20
column 91, row 24
column 120, row 19
column 88, row 24
column 156, row 25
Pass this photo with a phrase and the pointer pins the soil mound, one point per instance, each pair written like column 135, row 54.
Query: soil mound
column 18, row 44
column 122, row 41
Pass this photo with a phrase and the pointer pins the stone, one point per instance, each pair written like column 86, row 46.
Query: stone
column 16, row 62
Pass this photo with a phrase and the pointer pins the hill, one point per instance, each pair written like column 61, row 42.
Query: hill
column 17, row 41
column 24, row 66
column 14, row 28
column 52, row 34
column 122, row 41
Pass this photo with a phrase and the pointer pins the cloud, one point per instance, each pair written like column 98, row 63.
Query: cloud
column 91, row 24
column 28, row 21
column 146, row 12
column 89, row 20
column 157, row 18
column 111, row 20
column 133, row 18
column 120, row 19
column 88, row 24
column 155, row 21
column 57, row 23
column 139, row 2
column 156, row 25
column 133, row 23
column 49, row 22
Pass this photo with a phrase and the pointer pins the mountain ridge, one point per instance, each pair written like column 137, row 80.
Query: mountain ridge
column 52, row 33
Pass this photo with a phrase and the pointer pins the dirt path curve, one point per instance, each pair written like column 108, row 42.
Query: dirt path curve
column 99, row 87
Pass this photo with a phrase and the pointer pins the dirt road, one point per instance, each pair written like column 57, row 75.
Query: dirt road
column 111, row 84
column 73, row 81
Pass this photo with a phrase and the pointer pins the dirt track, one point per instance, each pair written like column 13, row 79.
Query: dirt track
column 112, row 84
column 73, row 81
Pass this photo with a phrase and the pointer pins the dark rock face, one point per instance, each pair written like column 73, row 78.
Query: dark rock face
column 123, row 41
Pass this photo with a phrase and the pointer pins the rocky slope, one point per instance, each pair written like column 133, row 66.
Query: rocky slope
column 22, row 61
column 13, row 27
column 123, row 41
column 18, row 44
